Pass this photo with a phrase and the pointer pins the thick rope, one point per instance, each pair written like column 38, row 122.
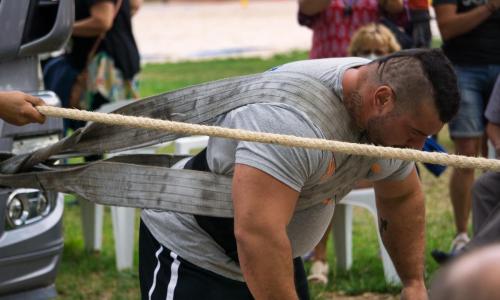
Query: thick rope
column 271, row 138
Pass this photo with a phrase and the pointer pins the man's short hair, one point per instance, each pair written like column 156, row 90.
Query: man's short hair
column 417, row 74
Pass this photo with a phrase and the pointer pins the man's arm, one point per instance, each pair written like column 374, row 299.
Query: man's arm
column 452, row 24
column 392, row 6
column 100, row 20
column 135, row 5
column 401, row 212
column 313, row 7
column 19, row 108
column 263, row 206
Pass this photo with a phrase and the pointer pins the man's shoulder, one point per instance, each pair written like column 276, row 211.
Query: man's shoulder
column 273, row 117
column 329, row 71
column 322, row 62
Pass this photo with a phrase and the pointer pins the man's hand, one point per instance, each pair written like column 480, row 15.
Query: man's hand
column 415, row 291
column 19, row 108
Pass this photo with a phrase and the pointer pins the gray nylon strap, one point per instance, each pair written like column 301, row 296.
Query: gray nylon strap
column 136, row 181
column 146, row 181
column 199, row 104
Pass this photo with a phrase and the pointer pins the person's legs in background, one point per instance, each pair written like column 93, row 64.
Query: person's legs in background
column 460, row 186
column 467, row 131
column 319, row 267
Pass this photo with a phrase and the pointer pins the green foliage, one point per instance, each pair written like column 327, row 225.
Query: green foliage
column 159, row 78
column 86, row 275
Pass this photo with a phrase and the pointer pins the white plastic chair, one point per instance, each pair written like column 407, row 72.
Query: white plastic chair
column 184, row 146
column 342, row 231
column 122, row 218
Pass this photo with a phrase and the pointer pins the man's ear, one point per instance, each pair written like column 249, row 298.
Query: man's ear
column 384, row 99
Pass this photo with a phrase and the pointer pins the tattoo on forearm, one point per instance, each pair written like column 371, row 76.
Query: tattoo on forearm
column 382, row 226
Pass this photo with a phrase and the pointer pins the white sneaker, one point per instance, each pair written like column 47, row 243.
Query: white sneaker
column 459, row 242
column 318, row 272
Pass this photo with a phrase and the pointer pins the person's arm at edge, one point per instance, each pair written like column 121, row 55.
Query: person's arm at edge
column 452, row 24
column 392, row 6
column 135, row 5
column 263, row 206
column 401, row 212
column 313, row 7
column 18, row 108
column 493, row 132
column 100, row 20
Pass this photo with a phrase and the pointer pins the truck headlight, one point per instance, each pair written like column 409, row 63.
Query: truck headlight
column 16, row 212
column 26, row 206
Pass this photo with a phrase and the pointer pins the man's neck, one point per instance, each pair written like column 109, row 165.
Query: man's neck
column 349, row 82
column 352, row 102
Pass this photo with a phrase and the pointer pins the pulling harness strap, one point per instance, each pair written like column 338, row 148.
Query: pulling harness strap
column 147, row 181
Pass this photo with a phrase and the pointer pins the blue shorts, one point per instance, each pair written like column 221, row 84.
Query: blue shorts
column 475, row 84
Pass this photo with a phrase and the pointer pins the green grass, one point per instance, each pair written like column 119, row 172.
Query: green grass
column 85, row 275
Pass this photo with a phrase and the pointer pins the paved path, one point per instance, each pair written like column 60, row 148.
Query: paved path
column 175, row 31
column 178, row 30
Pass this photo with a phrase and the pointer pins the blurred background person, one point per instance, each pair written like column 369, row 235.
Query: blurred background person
column 370, row 41
column 420, row 23
column 473, row 276
column 103, row 59
column 485, row 191
column 333, row 22
column 373, row 41
column 470, row 31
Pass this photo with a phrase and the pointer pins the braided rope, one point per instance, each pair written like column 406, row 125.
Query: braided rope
column 272, row 138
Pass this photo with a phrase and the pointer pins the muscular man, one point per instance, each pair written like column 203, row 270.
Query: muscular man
column 395, row 101
column 18, row 108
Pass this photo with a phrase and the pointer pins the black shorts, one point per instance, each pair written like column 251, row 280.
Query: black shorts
column 165, row 275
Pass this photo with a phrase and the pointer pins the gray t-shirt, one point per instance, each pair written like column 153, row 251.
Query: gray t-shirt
column 298, row 168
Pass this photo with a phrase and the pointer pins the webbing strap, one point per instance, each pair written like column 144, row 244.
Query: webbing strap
column 199, row 104
column 147, row 182
column 137, row 185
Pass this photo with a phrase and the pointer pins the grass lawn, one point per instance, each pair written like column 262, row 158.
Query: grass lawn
column 85, row 275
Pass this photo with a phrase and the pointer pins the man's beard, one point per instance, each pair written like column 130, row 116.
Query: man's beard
column 354, row 105
column 374, row 130
column 378, row 128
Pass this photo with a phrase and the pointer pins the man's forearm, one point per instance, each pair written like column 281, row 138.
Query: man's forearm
column 402, row 227
column 453, row 25
column 313, row 7
column 266, row 262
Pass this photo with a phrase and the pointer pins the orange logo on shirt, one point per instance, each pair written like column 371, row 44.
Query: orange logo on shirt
column 330, row 170
column 327, row 201
column 376, row 168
